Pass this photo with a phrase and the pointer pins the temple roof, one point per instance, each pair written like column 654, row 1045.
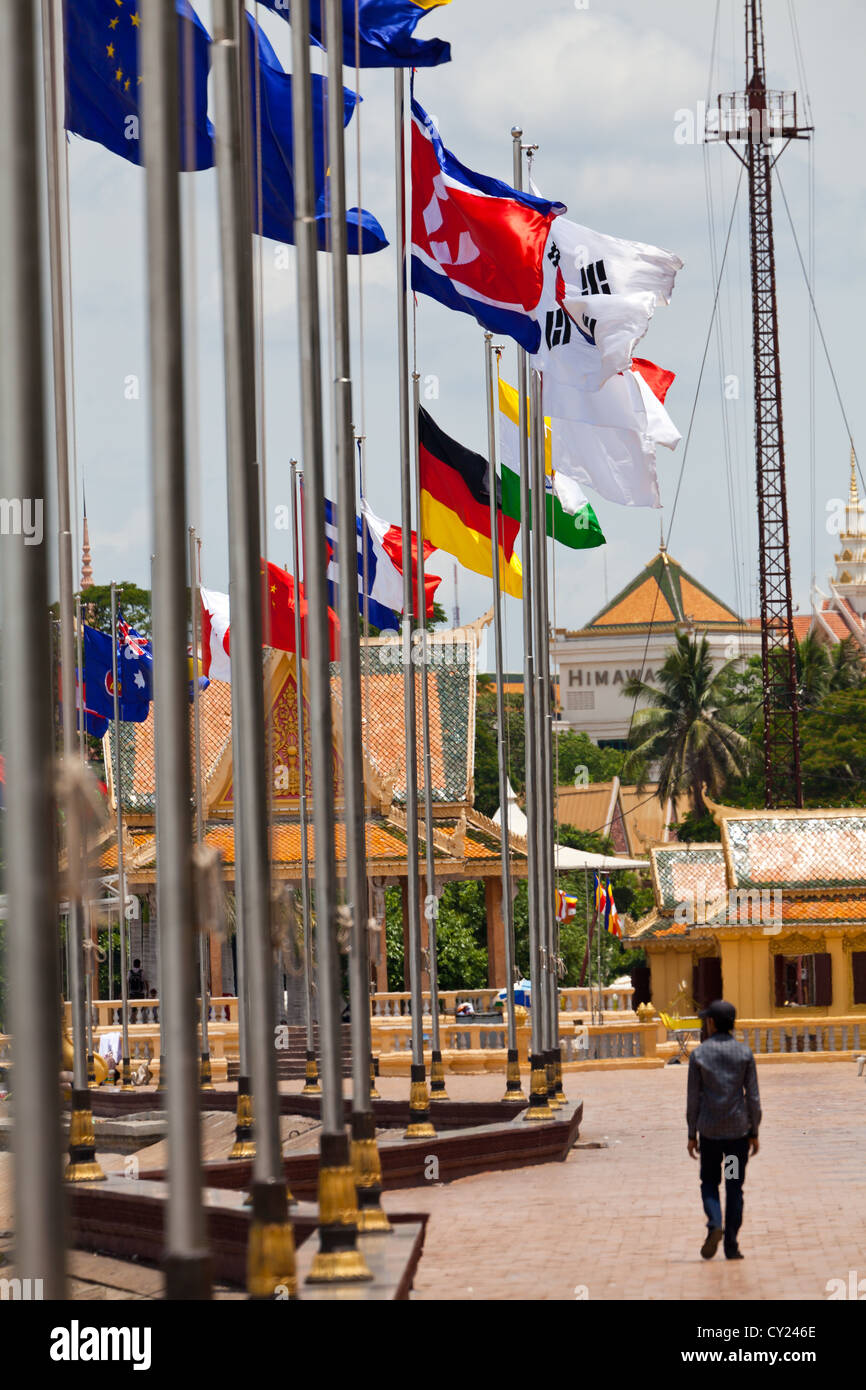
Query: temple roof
column 451, row 686
column 808, row 866
column 663, row 593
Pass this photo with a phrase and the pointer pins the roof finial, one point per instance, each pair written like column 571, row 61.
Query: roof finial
column 854, row 495
column 86, row 566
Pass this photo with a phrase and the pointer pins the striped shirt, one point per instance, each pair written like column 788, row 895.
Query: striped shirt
column 723, row 1100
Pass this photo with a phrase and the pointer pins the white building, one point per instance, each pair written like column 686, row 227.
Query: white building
column 631, row 637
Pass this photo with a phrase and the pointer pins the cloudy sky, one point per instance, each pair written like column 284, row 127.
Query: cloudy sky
column 601, row 87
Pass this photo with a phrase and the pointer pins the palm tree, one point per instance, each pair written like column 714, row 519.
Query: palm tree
column 684, row 726
column 813, row 668
column 846, row 666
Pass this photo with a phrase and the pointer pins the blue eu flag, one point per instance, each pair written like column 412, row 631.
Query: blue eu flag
column 103, row 78
column 271, row 99
column 385, row 29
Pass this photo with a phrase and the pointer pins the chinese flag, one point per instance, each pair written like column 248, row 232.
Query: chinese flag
column 278, row 613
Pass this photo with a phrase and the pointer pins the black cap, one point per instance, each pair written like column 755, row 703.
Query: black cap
column 722, row 1013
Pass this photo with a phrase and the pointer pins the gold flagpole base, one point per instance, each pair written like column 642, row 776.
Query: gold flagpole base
column 205, row 1078
column 550, row 1076
column 419, row 1126
column 271, row 1269
column 82, row 1165
column 244, row 1145
column 513, row 1089
column 367, row 1167
column 312, row 1086
column 437, row 1078
column 160, row 1083
column 126, row 1075
column 538, row 1106
column 374, row 1094
column 560, row 1092
column 338, row 1260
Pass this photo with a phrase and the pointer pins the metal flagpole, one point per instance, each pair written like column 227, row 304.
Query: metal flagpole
column 534, row 773
column 431, row 901
column 91, row 946
column 338, row 1257
column 82, row 1143
column 361, row 441
column 271, row 1249
column 538, row 1107
column 31, row 873
column 203, row 951
column 311, row 1084
column 419, row 1102
column 186, row 1261
column 547, row 752
column 542, row 740
column 513, row 1090
column 601, row 924
column 125, row 1075
column 364, row 1151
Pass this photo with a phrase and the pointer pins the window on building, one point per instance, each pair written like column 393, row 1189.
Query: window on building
column 858, row 970
column 803, row 982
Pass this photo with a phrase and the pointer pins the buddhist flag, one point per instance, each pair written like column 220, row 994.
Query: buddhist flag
column 570, row 518
column 566, row 906
column 611, row 916
column 455, row 506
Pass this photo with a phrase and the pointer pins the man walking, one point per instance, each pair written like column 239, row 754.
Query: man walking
column 724, row 1109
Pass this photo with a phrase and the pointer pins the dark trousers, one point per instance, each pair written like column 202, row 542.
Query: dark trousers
column 734, row 1153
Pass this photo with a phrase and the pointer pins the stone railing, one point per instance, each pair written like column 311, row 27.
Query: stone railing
column 793, row 1036
column 398, row 1004
column 453, row 1038
column 594, row 1043
column 583, row 1000
column 107, row 1012
column 5, row 1049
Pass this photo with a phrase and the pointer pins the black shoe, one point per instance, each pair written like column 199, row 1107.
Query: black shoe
column 735, row 1253
column 712, row 1242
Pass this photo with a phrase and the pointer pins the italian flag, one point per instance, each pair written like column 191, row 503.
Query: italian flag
column 570, row 518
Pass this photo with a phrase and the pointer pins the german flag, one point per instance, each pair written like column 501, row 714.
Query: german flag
column 455, row 506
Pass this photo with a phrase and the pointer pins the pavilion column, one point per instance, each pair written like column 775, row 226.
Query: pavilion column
column 404, row 909
column 495, row 933
column 425, row 939
column 379, row 951
column 215, row 943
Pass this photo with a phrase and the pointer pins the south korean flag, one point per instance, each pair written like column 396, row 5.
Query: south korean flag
column 600, row 293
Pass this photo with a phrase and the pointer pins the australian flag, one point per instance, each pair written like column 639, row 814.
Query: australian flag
column 134, row 672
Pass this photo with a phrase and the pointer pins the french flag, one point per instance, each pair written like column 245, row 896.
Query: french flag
column 386, row 543
column 477, row 244
column 384, row 567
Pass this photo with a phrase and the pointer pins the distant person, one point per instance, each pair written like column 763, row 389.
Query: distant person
column 135, row 987
column 723, row 1112
column 154, row 1007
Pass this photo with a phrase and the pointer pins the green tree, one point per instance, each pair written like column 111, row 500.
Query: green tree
column 685, row 727
column 133, row 602
column 813, row 669
column 576, row 755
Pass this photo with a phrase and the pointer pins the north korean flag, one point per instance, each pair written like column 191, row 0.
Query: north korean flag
column 477, row 244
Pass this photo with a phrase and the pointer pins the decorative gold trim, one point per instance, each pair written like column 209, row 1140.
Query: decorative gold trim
column 271, row 1260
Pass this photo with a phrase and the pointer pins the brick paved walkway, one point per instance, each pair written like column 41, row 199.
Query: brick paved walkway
column 625, row 1222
